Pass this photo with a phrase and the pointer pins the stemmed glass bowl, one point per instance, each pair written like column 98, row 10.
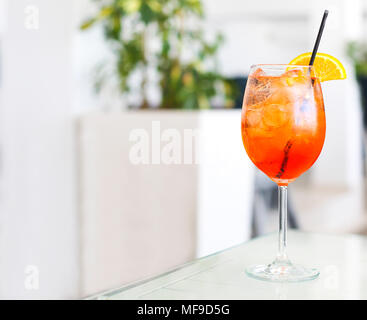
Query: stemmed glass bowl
column 283, row 131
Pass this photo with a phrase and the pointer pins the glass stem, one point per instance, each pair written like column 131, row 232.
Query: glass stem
column 282, row 244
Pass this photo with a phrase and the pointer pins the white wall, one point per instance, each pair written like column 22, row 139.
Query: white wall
column 38, row 216
column 258, row 31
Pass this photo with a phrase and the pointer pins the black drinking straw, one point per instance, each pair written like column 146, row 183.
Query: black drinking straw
column 319, row 35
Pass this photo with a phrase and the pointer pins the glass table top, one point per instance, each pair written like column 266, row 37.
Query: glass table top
column 341, row 259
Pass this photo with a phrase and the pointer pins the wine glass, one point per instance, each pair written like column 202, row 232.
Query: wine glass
column 283, row 131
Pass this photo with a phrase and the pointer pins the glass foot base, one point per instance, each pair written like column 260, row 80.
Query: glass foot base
column 282, row 272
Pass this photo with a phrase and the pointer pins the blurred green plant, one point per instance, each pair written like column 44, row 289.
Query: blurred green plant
column 164, row 36
column 357, row 51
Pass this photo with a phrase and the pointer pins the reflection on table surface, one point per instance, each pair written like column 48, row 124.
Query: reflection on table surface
column 342, row 260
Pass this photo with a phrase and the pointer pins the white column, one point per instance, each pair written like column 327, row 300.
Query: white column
column 38, row 237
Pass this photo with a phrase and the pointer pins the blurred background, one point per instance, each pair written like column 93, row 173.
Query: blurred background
column 120, row 145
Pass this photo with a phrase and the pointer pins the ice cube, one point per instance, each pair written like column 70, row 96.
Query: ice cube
column 253, row 116
column 259, row 88
column 276, row 115
column 258, row 73
column 280, row 96
column 292, row 73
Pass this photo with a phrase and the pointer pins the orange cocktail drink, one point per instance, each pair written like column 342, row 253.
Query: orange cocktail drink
column 283, row 131
column 283, row 120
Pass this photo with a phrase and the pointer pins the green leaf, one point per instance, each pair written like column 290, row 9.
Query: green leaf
column 146, row 13
column 131, row 6
column 103, row 13
column 155, row 5
column 87, row 24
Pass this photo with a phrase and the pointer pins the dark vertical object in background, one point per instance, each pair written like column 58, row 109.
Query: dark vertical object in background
column 265, row 204
column 362, row 81
column 239, row 83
